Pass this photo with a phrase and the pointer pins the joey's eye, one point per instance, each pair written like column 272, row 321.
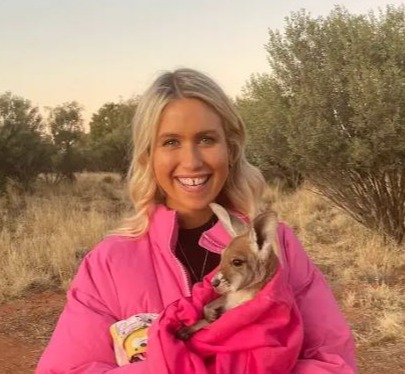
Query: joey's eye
column 237, row 262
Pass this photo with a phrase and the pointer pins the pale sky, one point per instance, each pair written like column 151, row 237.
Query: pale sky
column 96, row 51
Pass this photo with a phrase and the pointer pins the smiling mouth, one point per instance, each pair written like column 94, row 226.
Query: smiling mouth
column 193, row 182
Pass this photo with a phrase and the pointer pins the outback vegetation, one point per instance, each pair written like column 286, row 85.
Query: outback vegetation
column 57, row 146
column 44, row 236
column 327, row 128
column 332, row 111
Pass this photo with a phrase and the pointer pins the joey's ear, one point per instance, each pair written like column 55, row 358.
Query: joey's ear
column 265, row 232
column 232, row 224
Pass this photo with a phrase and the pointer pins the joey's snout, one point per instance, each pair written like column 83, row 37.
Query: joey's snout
column 220, row 284
column 215, row 282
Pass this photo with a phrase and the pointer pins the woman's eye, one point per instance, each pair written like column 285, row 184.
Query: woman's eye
column 170, row 143
column 207, row 140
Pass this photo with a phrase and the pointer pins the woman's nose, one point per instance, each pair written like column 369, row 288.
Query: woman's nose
column 192, row 157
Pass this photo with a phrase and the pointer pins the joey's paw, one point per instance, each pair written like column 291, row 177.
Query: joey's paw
column 212, row 314
column 184, row 333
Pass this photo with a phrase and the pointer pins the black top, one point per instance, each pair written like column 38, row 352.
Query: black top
column 197, row 260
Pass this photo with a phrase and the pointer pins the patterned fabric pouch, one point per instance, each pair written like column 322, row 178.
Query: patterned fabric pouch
column 130, row 337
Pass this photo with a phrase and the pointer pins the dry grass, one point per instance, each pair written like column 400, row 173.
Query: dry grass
column 44, row 236
column 366, row 273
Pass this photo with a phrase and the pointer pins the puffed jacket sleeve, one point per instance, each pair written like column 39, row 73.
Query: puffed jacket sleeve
column 328, row 346
column 81, row 342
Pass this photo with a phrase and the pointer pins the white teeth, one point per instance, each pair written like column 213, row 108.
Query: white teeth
column 193, row 181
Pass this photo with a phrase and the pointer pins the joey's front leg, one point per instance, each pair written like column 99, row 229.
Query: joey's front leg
column 214, row 309
column 211, row 312
column 186, row 331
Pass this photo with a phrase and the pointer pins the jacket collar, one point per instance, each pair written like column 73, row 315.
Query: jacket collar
column 164, row 229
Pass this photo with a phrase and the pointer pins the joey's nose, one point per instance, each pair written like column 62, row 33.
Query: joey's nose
column 215, row 282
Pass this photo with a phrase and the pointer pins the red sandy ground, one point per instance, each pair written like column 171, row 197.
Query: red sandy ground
column 26, row 324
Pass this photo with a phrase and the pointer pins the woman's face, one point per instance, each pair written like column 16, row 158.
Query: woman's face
column 190, row 159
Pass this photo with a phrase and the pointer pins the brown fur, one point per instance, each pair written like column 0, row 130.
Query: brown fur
column 247, row 264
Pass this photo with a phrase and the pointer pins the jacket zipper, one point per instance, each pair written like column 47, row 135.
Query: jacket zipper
column 185, row 275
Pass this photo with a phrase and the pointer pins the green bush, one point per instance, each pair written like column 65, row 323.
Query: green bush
column 333, row 108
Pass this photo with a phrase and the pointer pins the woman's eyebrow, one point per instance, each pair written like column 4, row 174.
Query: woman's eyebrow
column 167, row 135
column 207, row 132
column 175, row 135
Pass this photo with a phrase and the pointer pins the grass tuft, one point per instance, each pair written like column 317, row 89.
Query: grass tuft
column 44, row 236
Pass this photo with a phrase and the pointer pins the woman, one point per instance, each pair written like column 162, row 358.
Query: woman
column 188, row 152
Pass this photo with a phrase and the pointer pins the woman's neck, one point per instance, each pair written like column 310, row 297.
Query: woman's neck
column 191, row 220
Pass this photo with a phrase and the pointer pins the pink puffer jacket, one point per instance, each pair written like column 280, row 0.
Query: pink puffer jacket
column 122, row 276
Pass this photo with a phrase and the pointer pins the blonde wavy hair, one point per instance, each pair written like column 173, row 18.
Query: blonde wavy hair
column 245, row 185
